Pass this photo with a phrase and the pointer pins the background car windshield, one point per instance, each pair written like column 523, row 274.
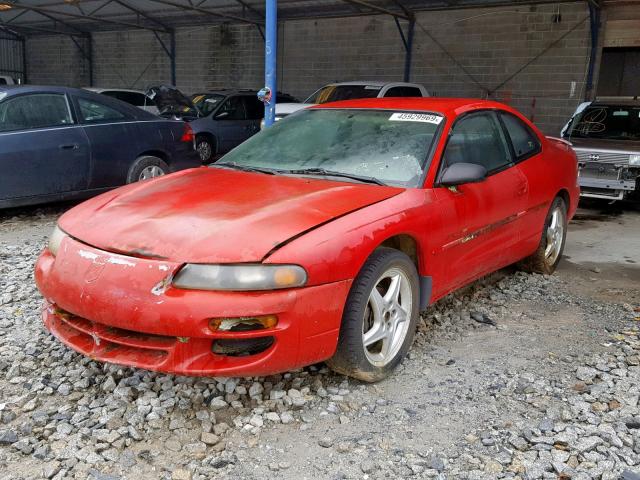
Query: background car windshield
column 335, row 93
column 386, row 145
column 601, row 121
column 207, row 103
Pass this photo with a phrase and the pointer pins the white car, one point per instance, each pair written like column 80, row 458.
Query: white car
column 7, row 80
column 351, row 90
column 136, row 98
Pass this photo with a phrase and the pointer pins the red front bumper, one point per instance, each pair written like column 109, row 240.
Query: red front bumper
column 117, row 308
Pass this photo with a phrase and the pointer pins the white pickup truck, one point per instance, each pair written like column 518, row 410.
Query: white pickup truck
column 7, row 80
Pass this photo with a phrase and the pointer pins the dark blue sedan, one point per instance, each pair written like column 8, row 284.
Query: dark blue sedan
column 62, row 143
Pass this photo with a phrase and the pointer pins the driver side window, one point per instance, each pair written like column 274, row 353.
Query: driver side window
column 93, row 111
column 479, row 139
column 234, row 109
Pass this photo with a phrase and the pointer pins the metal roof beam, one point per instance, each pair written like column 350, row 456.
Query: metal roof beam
column 250, row 8
column 95, row 10
column 10, row 31
column 207, row 12
column 61, row 22
column 18, row 28
column 15, row 17
column 84, row 17
column 402, row 7
column 379, row 9
column 142, row 14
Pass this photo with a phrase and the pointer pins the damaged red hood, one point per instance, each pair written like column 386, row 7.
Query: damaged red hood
column 214, row 215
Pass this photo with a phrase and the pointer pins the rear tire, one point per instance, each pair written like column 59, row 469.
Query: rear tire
column 546, row 258
column 147, row 167
column 379, row 318
column 205, row 148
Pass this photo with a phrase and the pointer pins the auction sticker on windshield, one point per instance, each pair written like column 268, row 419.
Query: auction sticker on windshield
column 416, row 117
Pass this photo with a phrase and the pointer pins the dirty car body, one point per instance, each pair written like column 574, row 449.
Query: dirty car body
column 605, row 135
column 221, row 119
column 244, row 268
column 60, row 143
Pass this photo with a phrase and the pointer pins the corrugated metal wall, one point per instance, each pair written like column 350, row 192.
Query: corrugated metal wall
column 11, row 57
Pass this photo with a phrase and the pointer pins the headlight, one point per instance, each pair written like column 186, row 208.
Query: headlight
column 634, row 160
column 55, row 239
column 239, row 277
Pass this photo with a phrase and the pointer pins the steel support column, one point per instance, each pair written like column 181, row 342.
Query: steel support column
column 86, row 51
column 407, row 41
column 90, row 58
column 409, row 51
column 170, row 51
column 270, row 59
column 23, row 43
column 594, row 23
column 172, row 56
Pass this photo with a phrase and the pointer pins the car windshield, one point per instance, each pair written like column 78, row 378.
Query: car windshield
column 207, row 103
column 335, row 93
column 387, row 147
column 607, row 121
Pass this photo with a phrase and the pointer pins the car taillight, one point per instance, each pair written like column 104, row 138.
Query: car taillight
column 187, row 134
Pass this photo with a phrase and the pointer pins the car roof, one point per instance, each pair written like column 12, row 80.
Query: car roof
column 135, row 112
column 104, row 89
column 40, row 88
column 374, row 83
column 622, row 101
column 445, row 106
column 230, row 91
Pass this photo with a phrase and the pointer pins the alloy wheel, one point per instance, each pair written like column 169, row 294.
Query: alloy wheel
column 204, row 150
column 151, row 171
column 387, row 317
column 554, row 236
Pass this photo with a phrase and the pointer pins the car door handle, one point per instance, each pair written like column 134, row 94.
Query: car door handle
column 69, row 146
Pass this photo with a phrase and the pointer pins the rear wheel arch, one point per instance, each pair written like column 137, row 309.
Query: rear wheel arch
column 155, row 153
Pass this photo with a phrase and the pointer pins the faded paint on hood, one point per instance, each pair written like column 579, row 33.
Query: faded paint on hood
column 211, row 215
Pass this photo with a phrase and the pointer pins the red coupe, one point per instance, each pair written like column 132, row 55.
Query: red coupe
column 320, row 238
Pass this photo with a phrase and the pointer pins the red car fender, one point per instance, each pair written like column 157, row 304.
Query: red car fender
column 322, row 251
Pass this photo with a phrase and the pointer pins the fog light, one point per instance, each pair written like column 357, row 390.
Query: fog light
column 241, row 347
column 242, row 324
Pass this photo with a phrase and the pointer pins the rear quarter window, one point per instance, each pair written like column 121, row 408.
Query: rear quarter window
column 525, row 142
column 93, row 111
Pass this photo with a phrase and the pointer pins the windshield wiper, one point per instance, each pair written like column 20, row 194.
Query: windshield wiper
column 332, row 173
column 244, row 168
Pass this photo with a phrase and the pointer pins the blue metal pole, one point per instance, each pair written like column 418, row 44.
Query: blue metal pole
column 270, row 59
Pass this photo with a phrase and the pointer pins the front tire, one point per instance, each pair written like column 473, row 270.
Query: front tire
column 147, row 167
column 379, row 318
column 554, row 234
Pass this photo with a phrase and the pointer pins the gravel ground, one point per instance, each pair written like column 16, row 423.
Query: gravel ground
column 517, row 376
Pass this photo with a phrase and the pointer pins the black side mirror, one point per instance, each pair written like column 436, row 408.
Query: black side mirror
column 461, row 173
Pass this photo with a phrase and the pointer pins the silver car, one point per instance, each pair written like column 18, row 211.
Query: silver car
column 605, row 135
